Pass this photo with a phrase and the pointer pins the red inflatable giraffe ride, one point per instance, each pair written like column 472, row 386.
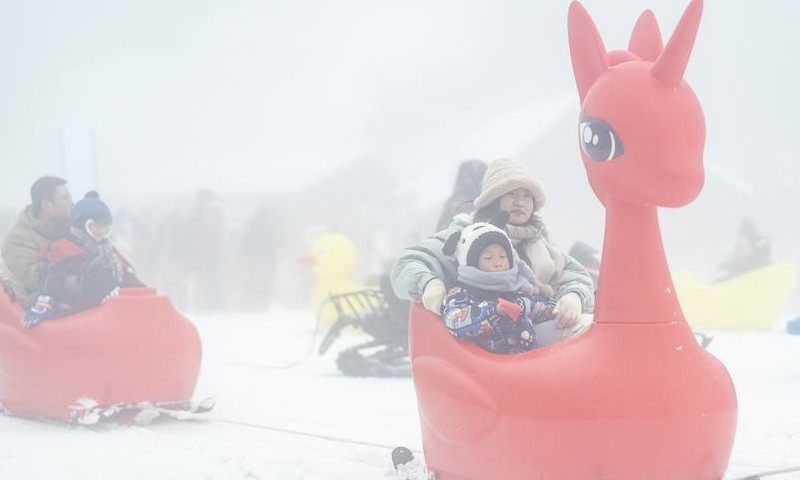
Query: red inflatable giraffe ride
column 635, row 397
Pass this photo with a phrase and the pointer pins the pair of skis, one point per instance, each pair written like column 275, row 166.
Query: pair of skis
column 88, row 412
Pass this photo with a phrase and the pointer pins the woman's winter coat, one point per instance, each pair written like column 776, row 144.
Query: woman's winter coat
column 421, row 263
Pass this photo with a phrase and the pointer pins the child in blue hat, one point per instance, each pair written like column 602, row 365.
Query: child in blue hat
column 83, row 268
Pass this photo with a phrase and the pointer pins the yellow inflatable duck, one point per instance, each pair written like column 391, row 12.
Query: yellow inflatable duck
column 752, row 301
column 333, row 259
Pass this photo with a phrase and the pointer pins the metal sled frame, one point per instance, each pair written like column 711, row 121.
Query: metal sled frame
column 369, row 311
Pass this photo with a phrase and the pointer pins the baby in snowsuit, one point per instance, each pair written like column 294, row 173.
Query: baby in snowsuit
column 497, row 299
column 82, row 268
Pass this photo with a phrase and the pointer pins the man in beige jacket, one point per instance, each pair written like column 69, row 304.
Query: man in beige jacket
column 41, row 222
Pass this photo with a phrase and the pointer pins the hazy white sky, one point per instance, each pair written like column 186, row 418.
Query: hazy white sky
column 265, row 95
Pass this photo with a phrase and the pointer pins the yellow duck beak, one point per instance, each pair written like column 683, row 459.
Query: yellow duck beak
column 309, row 260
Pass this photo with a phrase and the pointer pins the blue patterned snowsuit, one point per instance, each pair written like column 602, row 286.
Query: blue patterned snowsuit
column 473, row 314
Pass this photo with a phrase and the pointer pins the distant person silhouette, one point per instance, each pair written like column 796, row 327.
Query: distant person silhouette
column 467, row 188
column 750, row 251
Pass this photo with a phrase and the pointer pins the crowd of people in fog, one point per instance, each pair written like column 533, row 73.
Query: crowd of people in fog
column 61, row 256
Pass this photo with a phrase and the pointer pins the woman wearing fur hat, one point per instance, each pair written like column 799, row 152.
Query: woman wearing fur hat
column 81, row 269
column 422, row 271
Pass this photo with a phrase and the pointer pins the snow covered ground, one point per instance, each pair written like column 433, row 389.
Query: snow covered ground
column 314, row 398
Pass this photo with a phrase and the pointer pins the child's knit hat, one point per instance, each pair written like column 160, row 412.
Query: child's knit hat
column 90, row 207
column 468, row 243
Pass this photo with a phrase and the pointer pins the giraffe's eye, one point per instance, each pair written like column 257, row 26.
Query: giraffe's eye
column 598, row 140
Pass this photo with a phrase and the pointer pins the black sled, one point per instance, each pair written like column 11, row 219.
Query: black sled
column 385, row 354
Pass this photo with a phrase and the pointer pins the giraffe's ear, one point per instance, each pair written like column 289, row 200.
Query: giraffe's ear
column 646, row 40
column 672, row 62
column 585, row 48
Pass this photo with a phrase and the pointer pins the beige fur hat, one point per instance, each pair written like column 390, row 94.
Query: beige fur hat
column 505, row 175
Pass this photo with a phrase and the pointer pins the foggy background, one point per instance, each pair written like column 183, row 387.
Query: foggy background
column 354, row 115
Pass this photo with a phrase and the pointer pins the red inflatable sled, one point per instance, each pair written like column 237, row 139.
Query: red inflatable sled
column 635, row 397
column 133, row 350
column 622, row 402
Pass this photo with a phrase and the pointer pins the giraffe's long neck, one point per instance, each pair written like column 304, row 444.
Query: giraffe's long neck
column 635, row 285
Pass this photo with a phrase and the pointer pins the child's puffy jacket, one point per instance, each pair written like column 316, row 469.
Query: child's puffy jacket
column 479, row 316
column 79, row 273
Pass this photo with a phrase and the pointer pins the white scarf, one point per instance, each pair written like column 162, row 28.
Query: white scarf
column 546, row 263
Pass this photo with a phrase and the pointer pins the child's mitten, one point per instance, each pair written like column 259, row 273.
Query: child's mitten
column 43, row 310
column 512, row 309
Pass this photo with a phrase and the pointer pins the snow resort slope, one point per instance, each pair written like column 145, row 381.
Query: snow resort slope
column 314, row 398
